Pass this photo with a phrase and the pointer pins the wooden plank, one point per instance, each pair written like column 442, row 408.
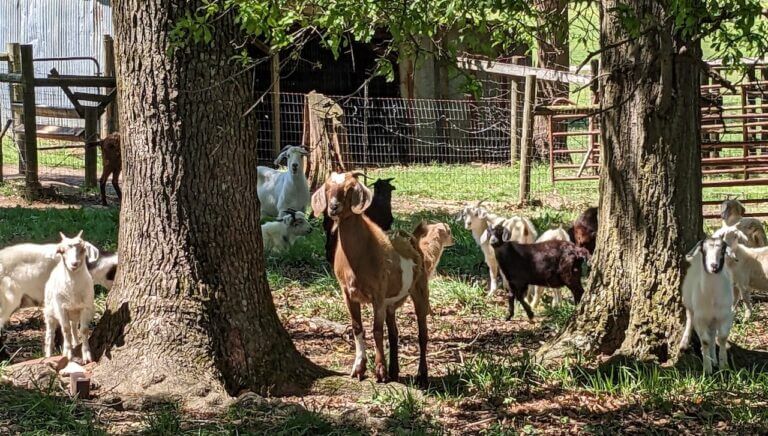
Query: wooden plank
column 4, row 56
column 506, row 69
column 54, row 132
column 86, row 96
column 10, row 77
column 76, row 81
column 526, row 141
column 51, row 111
column 70, row 96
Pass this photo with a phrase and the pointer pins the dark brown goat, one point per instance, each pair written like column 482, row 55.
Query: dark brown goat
column 380, row 213
column 112, row 163
column 583, row 232
column 551, row 263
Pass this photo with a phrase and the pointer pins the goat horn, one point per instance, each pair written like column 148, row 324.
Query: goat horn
column 480, row 202
column 357, row 174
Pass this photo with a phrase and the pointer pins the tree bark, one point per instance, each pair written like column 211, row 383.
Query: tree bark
column 190, row 316
column 553, row 53
column 650, row 193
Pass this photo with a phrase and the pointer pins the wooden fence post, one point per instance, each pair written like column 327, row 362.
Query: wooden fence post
column 91, row 136
column 526, row 141
column 30, row 119
column 110, row 122
column 16, row 92
column 275, row 61
column 512, row 121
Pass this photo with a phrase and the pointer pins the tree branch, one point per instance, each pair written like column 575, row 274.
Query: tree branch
column 616, row 44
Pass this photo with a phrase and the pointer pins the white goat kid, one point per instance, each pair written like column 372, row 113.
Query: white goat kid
column 24, row 271
column 279, row 190
column 281, row 234
column 708, row 301
column 476, row 219
column 69, row 298
column 732, row 212
column 558, row 234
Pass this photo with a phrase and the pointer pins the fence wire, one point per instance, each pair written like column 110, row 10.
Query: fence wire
column 446, row 150
column 58, row 161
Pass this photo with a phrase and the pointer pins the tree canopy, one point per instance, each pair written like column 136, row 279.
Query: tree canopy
column 731, row 30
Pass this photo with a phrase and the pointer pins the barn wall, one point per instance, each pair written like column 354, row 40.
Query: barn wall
column 55, row 28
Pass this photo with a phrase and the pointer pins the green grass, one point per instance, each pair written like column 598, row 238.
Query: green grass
column 19, row 224
column 44, row 411
column 73, row 158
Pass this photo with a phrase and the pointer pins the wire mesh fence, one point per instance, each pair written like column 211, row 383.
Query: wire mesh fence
column 58, row 161
column 447, row 150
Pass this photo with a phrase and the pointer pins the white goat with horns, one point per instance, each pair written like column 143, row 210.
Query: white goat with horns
column 278, row 190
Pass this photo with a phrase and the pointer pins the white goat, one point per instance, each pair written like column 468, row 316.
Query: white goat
column 475, row 219
column 281, row 234
column 279, row 190
column 732, row 212
column 69, row 298
column 479, row 221
column 708, row 300
column 558, row 234
column 24, row 271
column 748, row 266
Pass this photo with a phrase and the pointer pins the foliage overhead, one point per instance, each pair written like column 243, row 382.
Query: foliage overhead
column 732, row 28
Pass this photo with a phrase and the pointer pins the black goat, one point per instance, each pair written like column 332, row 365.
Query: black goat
column 380, row 212
column 552, row 264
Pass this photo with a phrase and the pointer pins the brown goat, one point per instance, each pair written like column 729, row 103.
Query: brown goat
column 112, row 163
column 432, row 239
column 372, row 268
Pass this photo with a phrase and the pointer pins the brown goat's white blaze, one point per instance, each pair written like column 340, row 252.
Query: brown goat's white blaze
column 372, row 268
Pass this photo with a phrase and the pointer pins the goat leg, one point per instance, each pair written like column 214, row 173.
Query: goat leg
column 511, row 302
column 103, row 187
column 358, row 368
column 116, row 185
column 520, row 296
column 577, row 290
column 379, row 315
column 422, row 309
column 686, row 339
column 392, row 334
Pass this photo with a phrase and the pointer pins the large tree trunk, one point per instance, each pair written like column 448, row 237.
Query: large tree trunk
column 650, row 193
column 553, row 53
column 191, row 315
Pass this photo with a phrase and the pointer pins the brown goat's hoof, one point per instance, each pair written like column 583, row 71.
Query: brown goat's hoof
column 358, row 371
column 381, row 374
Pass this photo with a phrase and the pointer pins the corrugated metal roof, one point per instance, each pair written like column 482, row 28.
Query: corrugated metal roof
column 55, row 28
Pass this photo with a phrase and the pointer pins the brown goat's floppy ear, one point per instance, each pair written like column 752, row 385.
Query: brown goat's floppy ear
column 420, row 230
column 364, row 198
column 319, row 202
